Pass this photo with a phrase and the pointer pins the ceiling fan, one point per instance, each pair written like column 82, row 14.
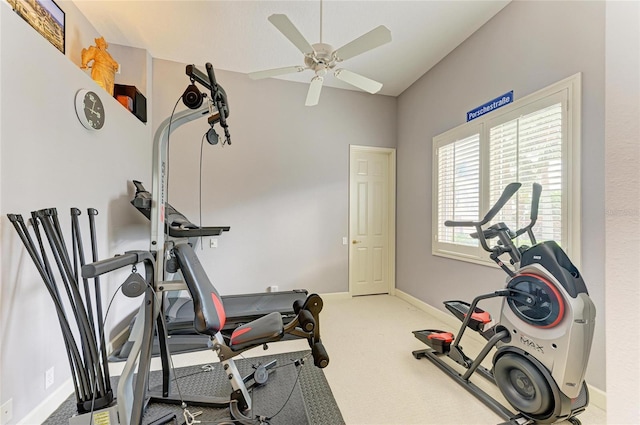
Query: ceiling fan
column 321, row 58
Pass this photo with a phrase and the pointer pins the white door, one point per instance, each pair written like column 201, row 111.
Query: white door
column 371, row 220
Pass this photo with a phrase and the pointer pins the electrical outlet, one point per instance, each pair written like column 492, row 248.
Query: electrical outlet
column 48, row 378
column 273, row 288
column 344, row 240
column 213, row 243
column 6, row 412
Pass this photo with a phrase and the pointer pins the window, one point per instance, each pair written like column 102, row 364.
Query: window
column 532, row 140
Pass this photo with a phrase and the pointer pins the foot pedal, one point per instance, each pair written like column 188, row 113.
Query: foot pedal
column 438, row 341
column 460, row 309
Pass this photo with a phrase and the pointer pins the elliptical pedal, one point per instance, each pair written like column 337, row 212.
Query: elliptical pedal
column 460, row 309
column 438, row 341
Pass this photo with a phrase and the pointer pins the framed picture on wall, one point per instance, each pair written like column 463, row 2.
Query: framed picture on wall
column 45, row 16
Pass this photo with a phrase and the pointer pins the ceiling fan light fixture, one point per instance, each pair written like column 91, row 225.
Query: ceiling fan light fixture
column 321, row 70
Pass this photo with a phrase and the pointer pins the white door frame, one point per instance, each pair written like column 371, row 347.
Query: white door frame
column 391, row 156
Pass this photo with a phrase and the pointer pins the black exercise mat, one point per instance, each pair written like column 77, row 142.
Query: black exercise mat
column 302, row 393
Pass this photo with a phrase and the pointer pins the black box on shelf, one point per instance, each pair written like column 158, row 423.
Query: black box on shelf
column 132, row 99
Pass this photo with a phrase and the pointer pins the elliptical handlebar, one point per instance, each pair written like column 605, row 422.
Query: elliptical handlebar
column 505, row 245
column 507, row 193
column 535, row 202
column 536, row 191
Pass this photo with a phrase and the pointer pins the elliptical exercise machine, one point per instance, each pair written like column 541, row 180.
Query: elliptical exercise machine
column 544, row 334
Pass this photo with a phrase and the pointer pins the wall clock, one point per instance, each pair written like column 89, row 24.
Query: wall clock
column 90, row 109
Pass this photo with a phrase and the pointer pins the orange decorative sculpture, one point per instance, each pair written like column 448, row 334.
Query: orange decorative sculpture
column 104, row 67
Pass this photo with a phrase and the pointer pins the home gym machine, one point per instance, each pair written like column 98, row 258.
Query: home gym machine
column 172, row 227
column 544, row 334
column 166, row 257
column 178, row 309
column 133, row 393
column 95, row 399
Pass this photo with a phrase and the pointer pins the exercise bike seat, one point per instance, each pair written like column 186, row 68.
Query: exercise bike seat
column 260, row 331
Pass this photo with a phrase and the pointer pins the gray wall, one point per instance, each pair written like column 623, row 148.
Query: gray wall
column 525, row 47
column 49, row 160
column 282, row 185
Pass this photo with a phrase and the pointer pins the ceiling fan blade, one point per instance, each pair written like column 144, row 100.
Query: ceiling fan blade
column 258, row 75
column 286, row 27
column 357, row 80
column 374, row 38
column 313, row 95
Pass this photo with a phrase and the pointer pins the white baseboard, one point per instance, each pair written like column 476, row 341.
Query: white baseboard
column 48, row 405
column 597, row 397
column 447, row 318
column 336, row 295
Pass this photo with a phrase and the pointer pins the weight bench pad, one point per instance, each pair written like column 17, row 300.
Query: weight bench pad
column 260, row 331
column 209, row 315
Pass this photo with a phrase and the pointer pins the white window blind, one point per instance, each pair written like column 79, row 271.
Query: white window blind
column 459, row 188
column 533, row 140
column 528, row 150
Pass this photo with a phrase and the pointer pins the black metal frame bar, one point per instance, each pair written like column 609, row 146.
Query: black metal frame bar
column 80, row 377
column 49, row 219
column 91, row 213
column 218, row 95
column 485, row 398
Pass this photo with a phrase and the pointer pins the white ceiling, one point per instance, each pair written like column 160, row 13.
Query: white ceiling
column 236, row 36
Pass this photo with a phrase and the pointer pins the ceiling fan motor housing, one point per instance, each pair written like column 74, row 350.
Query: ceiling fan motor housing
column 321, row 59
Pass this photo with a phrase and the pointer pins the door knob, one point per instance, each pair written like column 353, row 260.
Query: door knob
column 355, row 241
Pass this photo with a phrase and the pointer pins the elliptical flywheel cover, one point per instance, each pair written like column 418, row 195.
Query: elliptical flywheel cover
column 536, row 300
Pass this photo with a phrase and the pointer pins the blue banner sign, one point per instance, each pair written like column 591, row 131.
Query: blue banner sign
column 491, row 105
